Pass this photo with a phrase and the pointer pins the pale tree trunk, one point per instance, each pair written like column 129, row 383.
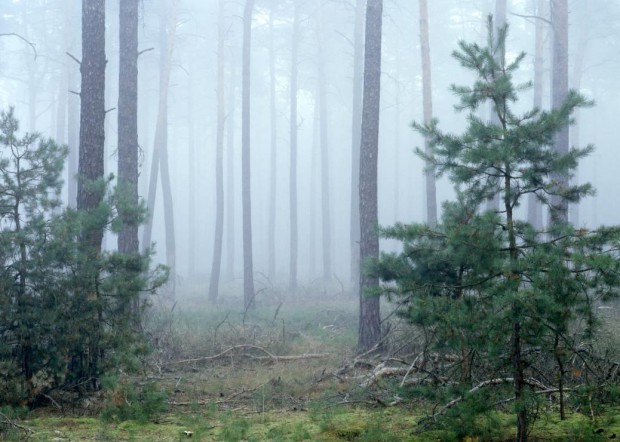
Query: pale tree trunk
column 191, row 192
column 216, row 263
column 369, row 333
column 128, row 120
column 73, row 136
column 293, row 153
column 325, row 179
column 427, row 105
column 314, row 172
column 574, row 128
column 159, row 159
column 559, row 92
column 534, row 207
column 271, row 233
column 356, row 131
column 248, row 266
column 230, row 178
column 499, row 20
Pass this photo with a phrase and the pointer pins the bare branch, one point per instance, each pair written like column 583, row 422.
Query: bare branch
column 28, row 42
column 73, row 58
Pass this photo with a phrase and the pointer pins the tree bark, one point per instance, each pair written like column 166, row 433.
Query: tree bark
column 427, row 105
column 293, row 156
column 92, row 114
column 559, row 92
column 230, row 181
column 248, row 266
column 216, row 263
column 356, row 131
column 128, row 120
column 369, row 333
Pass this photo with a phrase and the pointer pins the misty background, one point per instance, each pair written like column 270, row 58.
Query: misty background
column 41, row 79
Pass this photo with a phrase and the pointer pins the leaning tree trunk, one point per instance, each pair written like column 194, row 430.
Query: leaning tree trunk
column 159, row 160
column 369, row 333
column 216, row 263
column 427, row 105
column 248, row 266
column 559, row 93
column 325, row 187
column 356, row 131
column 293, row 154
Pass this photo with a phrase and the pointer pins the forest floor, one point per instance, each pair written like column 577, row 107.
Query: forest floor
column 284, row 372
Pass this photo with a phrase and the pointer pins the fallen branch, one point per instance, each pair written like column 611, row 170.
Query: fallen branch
column 4, row 419
column 269, row 356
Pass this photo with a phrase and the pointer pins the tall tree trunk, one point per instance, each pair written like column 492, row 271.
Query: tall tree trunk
column 293, row 156
column 369, row 333
column 90, row 167
column 248, row 266
column 230, row 178
column 559, row 92
column 271, row 234
column 325, row 181
column 216, row 263
column 356, row 131
column 191, row 191
column 534, row 207
column 159, row 159
column 128, row 120
column 427, row 105
column 499, row 21
column 314, row 172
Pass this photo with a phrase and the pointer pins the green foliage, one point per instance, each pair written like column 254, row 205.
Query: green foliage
column 497, row 300
column 64, row 312
column 128, row 401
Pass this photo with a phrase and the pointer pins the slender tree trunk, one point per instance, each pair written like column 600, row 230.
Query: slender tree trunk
column 427, row 105
column 499, row 21
column 73, row 142
column 534, row 207
column 369, row 333
column 219, row 163
column 159, row 160
column 314, row 172
column 248, row 266
column 356, row 131
column 559, row 92
column 271, row 234
column 293, row 156
column 230, row 179
column 325, row 178
column 191, row 191
column 128, row 120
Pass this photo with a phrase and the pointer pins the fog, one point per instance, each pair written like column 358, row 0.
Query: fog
column 39, row 75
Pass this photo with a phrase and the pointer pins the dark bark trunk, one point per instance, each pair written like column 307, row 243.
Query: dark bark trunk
column 128, row 120
column 230, row 179
column 216, row 263
column 559, row 92
column 369, row 333
column 293, row 156
column 427, row 104
column 356, row 131
column 92, row 114
column 248, row 266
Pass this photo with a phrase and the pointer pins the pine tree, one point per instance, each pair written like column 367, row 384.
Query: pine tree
column 500, row 295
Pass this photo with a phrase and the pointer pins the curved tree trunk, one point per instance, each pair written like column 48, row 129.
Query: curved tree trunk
column 248, row 266
column 369, row 333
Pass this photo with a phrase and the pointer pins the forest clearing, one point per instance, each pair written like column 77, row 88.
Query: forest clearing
column 285, row 372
